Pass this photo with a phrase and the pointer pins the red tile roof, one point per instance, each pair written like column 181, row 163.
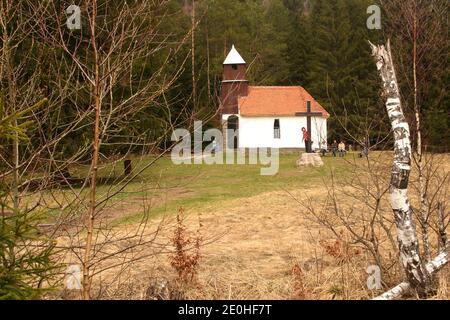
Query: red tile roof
column 277, row 101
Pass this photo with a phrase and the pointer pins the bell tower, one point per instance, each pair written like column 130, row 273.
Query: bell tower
column 233, row 82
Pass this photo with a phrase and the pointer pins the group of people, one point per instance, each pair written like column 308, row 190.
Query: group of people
column 337, row 149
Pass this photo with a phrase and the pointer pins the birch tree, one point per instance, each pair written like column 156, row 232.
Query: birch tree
column 417, row 272
column 419, row 30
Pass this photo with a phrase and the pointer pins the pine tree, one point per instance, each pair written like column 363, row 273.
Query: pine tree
column 330, row 52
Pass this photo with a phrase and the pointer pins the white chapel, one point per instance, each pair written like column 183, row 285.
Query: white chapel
column 267, row 116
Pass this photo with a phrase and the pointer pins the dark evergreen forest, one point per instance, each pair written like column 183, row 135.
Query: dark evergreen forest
column 318, row 44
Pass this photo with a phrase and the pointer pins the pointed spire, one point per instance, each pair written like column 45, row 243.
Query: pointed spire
column 234, row 57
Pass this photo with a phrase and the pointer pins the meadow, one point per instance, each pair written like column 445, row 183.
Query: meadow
column 259, row 238
column 170, row 186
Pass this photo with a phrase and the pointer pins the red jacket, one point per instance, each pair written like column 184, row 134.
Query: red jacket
column 305, row 135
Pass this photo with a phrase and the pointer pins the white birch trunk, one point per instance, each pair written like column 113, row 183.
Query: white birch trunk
column 433, row 266
column 416, row 273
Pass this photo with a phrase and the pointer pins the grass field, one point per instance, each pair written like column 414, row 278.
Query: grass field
column 257, row 235
column 169, row 186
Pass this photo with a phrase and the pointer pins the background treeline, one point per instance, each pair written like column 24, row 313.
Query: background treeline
column 319, row 44
column 322, row 45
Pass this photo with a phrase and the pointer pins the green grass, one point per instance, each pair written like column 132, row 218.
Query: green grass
column 191, row 186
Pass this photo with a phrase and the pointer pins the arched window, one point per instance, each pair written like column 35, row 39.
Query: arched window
column 233, row 132
column 276, row 129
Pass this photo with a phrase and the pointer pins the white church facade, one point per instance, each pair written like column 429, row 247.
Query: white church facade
column 267, row 116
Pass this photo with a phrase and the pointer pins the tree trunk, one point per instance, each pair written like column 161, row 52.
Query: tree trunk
column 96, row 94
column 10, row 103
column 424, row 208
column 194, row 82
column 432, row 267
column 416, row 273
column 127, row 167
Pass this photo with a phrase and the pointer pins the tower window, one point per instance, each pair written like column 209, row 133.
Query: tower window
column 276, row 129
column 234, row 66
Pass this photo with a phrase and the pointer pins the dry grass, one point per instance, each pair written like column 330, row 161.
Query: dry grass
column 263, row 238
column 258, row 247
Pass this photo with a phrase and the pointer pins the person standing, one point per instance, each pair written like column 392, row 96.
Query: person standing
column 334, row 148
column 306, row 139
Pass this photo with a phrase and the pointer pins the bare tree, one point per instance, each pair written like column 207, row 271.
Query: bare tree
column 419, row 30
column 417, row 273
column 28, row 256
column 102, row 73
column 127, row 42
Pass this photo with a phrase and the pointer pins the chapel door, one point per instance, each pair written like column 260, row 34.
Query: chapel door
column 233, row 132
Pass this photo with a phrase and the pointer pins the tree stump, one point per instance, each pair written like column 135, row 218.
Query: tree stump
column 127, row 167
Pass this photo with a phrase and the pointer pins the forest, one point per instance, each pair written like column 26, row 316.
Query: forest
column 320, row 45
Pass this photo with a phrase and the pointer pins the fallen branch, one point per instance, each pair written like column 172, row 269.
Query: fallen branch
column 433, row 266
